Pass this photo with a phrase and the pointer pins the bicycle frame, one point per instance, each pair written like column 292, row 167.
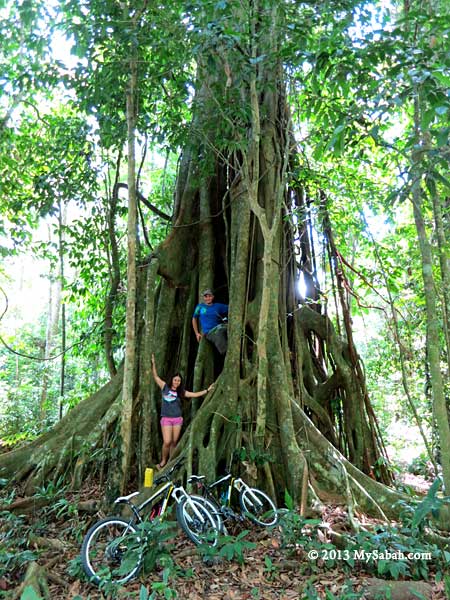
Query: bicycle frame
column 227, row 500
column 234, row 483
column 178, row 492
column 169, row 487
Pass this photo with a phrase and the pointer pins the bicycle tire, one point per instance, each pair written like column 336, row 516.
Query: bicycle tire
column 258, row 507
column 103, row 549
column 214, row 509
column 199, row 530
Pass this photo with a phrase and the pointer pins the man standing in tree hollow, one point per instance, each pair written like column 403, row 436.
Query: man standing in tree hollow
column 211, row 315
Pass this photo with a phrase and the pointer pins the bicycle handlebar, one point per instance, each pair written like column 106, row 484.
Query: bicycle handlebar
column 196, row 478
column 166, row 476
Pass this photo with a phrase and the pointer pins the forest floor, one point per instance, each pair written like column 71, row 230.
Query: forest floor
column 275, row 567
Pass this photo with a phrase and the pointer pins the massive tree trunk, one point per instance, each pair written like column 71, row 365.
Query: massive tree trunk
column 289, row 395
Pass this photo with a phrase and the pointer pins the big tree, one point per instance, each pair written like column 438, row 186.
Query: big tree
column 290, row 395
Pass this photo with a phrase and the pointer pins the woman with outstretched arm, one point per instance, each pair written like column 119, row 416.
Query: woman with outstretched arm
column 171, row 413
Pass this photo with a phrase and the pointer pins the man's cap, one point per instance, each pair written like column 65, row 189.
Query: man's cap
column 208, row 291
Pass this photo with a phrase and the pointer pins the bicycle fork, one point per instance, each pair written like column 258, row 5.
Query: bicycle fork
column 180, row 493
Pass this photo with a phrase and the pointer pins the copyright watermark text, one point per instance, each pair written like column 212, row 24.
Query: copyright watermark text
column 364, row 555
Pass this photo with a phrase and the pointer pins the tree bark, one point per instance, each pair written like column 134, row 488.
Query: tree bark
column 114, row 271
column 444, row 263
column 433, row 342
column 62, row 377
column 53, row 312
column 130, row 335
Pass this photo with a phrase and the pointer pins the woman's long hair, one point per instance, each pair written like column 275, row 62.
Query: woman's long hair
column 180, row 388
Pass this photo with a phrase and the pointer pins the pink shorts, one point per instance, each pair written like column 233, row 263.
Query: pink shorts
column 171, row 421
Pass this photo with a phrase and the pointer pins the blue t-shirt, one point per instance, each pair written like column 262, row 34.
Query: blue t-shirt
column 210, row 315
column 171, row 405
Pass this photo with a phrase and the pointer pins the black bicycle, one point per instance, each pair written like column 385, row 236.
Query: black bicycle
column 105, row 546
column 254, row 504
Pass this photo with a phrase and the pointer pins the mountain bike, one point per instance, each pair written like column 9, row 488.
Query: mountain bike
column 254, row 504
column 105, row 546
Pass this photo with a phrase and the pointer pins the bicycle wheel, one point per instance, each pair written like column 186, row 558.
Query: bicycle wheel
column 197, row 522
column 214, row 509
column 104, row 548
column 258, row 507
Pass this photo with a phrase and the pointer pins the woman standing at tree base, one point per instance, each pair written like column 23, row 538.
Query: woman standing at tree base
column 171, row 413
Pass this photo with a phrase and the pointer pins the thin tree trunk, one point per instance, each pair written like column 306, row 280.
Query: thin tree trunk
column 444, row 262
column 53, row 310
column 398, row 342
column 47, row 350
column 114, row 268
column 433, row 338
column 130, row 347
column 61, row 223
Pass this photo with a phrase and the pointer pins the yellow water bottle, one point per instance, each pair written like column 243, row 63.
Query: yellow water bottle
column 148, row 477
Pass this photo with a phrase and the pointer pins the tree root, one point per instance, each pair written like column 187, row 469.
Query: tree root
column 441, row 541
column 88, row 506
column 25, row 506
column 396, row 590
column 47, row 543
column 54, row 453
column 333, row 477
column 57, row 579
column 36, row 579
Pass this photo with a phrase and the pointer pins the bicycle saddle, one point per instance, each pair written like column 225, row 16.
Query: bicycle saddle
column 125, row 499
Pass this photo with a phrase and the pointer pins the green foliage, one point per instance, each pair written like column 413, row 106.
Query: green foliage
column 431, row 504
column 107, row 40
column 75, row 568
column 61, row 167
column 156, row 534
column 420, row 465
column 447, row 585
column 270, row 570
column 30, row 594
column 162, row 588
column 86, row 248
column 52, row 155
column 288, row 500
column 358, row 138
column 347, row 593
column 231, row 548
column 357, row 141
column 296, row 529
column 390, row 552
column 255, row 456
column 14, row 541
column 51, row 490
column 412, row 555
column 21, row 380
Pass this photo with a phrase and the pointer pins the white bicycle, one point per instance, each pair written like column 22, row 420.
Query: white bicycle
column 105, row 546
column 254, row 504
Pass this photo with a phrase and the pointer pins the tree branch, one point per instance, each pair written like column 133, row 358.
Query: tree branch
column 143, row 199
